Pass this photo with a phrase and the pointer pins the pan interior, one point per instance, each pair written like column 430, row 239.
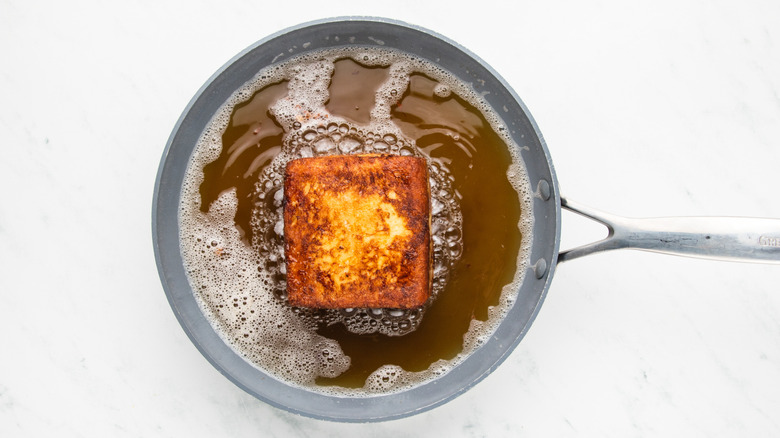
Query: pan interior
column 368, row 33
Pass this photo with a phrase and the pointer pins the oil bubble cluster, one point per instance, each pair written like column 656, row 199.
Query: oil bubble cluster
column 345, row 138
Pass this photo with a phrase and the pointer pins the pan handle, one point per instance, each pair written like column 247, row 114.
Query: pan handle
column 742, row 239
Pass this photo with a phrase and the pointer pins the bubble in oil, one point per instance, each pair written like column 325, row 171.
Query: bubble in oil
column 442, row 90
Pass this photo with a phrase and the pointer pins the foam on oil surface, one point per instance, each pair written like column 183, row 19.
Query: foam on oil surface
column 238, row 286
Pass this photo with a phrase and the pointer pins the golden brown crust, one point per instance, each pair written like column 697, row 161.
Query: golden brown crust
column 357, row 231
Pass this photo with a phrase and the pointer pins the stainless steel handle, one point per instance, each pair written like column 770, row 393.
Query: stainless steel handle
column 741, row 239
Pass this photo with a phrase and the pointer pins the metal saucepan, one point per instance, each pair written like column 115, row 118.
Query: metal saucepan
column 723, row 238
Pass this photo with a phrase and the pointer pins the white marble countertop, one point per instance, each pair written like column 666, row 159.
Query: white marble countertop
column 648, row 108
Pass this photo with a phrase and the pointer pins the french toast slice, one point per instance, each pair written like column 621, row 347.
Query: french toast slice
column 357, row 231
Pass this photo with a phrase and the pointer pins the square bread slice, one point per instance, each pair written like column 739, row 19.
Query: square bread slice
column 357, row 232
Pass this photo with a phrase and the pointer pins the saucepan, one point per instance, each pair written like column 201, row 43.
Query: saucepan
column 744, row 239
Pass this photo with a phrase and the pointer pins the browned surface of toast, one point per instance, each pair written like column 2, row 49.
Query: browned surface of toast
column 356, row 231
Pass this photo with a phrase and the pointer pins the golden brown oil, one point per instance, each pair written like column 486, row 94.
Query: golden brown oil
column 447, row 129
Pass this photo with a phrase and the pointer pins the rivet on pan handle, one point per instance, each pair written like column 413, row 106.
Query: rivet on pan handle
column 742, row 239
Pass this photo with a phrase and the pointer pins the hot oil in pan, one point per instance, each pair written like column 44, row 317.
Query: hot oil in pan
column 458, row 139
